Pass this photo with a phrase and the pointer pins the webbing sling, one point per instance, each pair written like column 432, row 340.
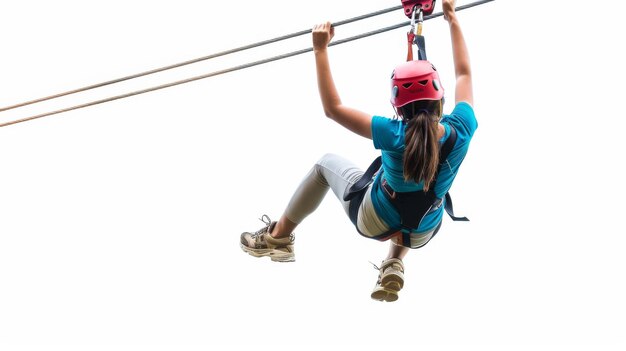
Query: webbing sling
column 420, row 41
column 357, row 191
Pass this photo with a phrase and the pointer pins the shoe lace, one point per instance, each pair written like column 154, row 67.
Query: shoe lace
column 380, row 272
column 268, row 222
column 265, row 219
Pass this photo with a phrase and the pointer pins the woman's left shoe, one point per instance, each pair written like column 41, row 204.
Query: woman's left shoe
column 261, row 243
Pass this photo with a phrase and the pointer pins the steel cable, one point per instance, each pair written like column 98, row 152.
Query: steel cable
column 196, row 60
column 235, row 68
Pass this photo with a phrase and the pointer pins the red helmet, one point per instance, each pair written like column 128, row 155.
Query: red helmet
column 414, row 81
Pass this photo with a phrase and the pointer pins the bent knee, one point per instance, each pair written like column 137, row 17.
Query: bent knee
column 328, row 157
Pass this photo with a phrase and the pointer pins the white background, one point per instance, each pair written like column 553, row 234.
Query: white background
column 120, row 223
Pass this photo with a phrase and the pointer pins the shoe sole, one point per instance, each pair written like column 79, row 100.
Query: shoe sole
column 393, row 281
column 382, row 294
column 274, row 255
column 390, row 285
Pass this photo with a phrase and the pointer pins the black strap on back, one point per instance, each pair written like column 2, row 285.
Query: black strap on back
column 446, row 149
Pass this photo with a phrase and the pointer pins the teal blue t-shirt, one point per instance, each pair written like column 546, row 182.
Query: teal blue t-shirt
column 388, row 136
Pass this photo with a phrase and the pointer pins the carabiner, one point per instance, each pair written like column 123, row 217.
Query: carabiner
column 414, row 14
column 417, row 12
column 420, row 20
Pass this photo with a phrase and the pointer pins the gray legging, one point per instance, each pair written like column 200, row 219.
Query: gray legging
column 339, row 174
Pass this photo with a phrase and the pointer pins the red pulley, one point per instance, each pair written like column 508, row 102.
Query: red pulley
column 427, row 6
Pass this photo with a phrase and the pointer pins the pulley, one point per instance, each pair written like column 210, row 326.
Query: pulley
column 427, row 6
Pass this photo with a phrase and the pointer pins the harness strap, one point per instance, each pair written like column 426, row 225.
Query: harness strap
column 365, row 180
column 450, row 210
column 447, row 148
column 357, row 190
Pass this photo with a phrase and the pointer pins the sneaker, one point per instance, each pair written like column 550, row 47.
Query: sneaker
column 261, row 243
column 390, row 280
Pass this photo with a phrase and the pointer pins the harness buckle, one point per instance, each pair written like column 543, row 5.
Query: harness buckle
column 387, row 188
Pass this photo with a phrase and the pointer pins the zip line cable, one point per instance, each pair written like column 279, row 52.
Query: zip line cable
column 196, row 60
column 219, row 72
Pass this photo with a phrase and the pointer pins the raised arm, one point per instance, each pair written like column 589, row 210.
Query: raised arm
column 462, row 68
column 354, row 120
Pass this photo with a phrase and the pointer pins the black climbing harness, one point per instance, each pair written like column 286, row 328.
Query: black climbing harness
column 412, row 206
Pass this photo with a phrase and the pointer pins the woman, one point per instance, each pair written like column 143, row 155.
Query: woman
column 418, row 165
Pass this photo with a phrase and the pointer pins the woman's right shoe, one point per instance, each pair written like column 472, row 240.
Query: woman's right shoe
column 390, row 280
